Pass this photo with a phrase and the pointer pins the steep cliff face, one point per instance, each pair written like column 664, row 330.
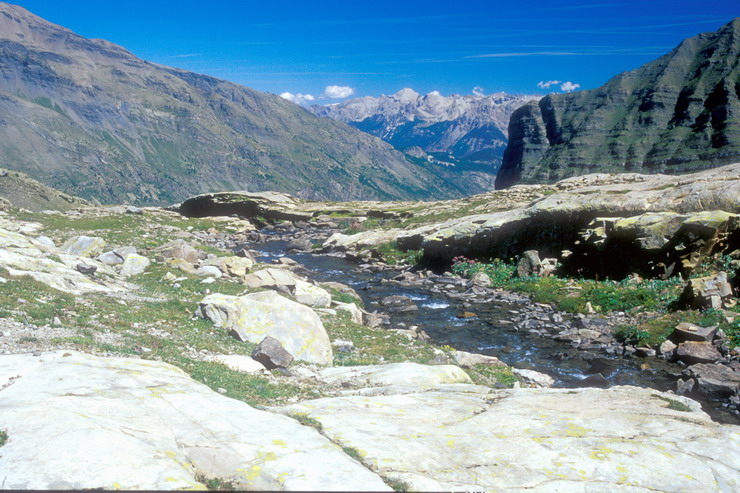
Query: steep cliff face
column 677, row 114
column 88, row 117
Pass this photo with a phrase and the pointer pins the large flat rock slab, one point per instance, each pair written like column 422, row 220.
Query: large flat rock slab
column 393, row 378
column 584, row 440
column 78, row 421
column 552, row 223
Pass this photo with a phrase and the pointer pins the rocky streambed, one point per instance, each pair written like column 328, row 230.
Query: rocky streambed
column 575, row 350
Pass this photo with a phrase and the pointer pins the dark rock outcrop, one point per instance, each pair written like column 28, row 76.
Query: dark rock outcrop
column 672, row 115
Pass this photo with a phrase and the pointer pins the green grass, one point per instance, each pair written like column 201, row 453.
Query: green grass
column 145, row 231
column 307, row 420
column 491, row 375
column 255, row 390
column 40, row 303
column 3, row 437
column 374, row 346
column 654, row 296
column 341, row 297
column 654, row 329
column 572, row 295
column 216, row 484
column 353, row 452
column 673, row 404
column 396, row 484
column 392, row 255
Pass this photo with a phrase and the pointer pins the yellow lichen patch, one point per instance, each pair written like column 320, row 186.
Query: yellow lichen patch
column 575, row 431
column 196, row 487
column 541, row 439
column 450, row 443
column 602, row 453
column 279, row 443
column 250, row 474
column 159, row 390
column 116, row 486
column 621, row 469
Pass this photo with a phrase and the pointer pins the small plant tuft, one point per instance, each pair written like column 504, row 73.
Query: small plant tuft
column 307, row 420
column 216, row 484
column 673, row 404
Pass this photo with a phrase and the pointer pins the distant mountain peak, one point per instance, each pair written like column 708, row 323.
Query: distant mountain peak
column 469, row 132
column 406, row 94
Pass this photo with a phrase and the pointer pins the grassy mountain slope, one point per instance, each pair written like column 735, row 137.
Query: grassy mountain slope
column 90, row 118
column 677, row 114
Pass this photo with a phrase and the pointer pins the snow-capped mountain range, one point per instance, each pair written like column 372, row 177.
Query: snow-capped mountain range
column 451, row 129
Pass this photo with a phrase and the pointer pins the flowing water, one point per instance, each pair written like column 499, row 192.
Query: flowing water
column 488, row 332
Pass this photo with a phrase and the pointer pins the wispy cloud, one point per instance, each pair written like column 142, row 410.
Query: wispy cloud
column 330, row 92
column 526, row 53
column 567, row 86
column 185, row 55
column 365, row 21
column 337, row 92
column 545, row 84
column 300, row 99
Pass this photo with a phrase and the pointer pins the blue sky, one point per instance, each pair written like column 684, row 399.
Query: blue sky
column 382, row 46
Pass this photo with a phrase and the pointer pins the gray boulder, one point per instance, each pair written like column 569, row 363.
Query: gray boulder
column 717, row 381
column 178, row 249
column 134, row 264
column 692, row 352
column 84, row 246
column 707, row 292
column 690, row 332
column 529, row 265
column 271, row 354
column 254, row 316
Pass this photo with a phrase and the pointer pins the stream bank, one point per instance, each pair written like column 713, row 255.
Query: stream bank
column 577, row 350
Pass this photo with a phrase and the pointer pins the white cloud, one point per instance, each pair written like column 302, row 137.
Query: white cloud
column 544, row 85
column 337, row 92
column 299, row 98
column 478, row 91
column 569, row 86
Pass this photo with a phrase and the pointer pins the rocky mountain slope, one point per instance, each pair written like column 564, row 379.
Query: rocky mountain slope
column 20, row 191
column 469, row 132
column 90, row 118
column 673, row 115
